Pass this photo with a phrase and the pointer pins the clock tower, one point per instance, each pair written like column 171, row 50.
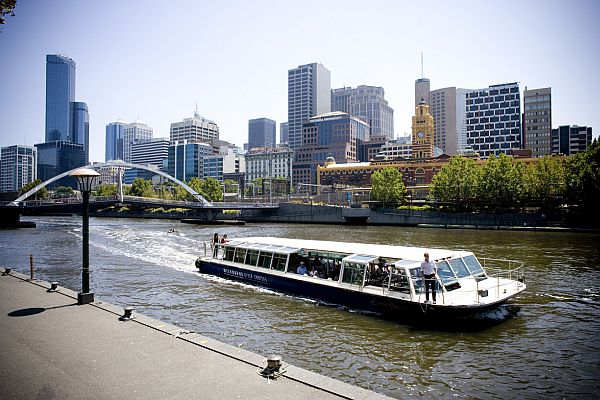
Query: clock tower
column 422, row 132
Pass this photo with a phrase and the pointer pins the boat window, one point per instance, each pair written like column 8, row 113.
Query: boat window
column 459, row 268
column 474, row 266
column 353, row 273
column 264, row 259
column 279, row 261
column 399, row 281
column 251, row 257
column 240, row 254
column 229, row 253
column 444, row 272
column 416, row 274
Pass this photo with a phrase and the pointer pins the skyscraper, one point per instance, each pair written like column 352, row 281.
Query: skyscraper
column 494, row 119
column 283, row 133
column 134, row 132
column 18, row 167
column 114, row 141
column 309, row 94
column 194, row 130
column 367, row 103
column 261, row 133
column 152, row 152
column 60, row 93
column 59, row 156
column 422, row 91
column 186, row 160
column 537, row 121
column 447, row 106
column 81, row 127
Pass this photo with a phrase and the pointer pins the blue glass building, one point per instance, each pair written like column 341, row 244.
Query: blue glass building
column 57, row 157
column 60, row 93
column 261, row 133
column 114, row 141
column 186, row 160
column 81, row 127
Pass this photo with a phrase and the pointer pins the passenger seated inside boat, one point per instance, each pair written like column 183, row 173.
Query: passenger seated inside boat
column 301, row 270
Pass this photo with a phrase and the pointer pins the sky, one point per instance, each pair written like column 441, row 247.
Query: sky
column 154, row 61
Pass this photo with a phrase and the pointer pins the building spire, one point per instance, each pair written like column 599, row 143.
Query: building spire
column 422, row 65
column 196, row 115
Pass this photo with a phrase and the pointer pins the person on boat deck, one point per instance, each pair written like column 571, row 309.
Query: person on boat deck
column 224, row 239
column 429, row 270
column 301, row 269
column 215, row 240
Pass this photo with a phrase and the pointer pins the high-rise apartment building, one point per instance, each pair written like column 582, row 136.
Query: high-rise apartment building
column 261, row 133
column 335, row 134
column 494, row 119
column 81, row 127
column 60, row 93
column 422, row 91
column 283, row 133
column 367, row 103
column 571, row 139
column 194, row 130
column 132, row 133
column 447, row 105
column 18, row 167
column 114, row 141
column 537, row 121
column 309, row 94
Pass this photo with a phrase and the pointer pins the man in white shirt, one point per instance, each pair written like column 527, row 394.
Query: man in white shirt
column 429, row 270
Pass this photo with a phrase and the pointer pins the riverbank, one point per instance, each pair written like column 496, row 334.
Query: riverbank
column 54, row 348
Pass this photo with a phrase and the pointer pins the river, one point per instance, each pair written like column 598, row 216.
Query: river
column 548, row 349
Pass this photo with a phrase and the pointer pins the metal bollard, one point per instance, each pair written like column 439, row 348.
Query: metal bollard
column 127, row 315
column 31, row 266
column 53, row 287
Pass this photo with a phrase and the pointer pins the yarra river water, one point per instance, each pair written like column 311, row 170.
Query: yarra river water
column 545, row 344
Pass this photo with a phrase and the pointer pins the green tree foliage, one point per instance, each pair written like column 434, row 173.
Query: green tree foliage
column 583, row 177
column 62, row 192
column 230, row 186
column 212, row 188
column 500, row 184
column 7, row 7
column 39, row 195
column 142, row 188
column 544, row 183
column 457, row 183
column 106, row 190
column 387, row 186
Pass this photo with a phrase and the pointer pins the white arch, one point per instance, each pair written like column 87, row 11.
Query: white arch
column 114, row 163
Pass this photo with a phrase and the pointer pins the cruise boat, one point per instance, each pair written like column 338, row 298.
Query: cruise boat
column 379, row 278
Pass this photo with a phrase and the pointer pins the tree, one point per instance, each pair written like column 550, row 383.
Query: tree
column 212, row 188
column 7, row 7
column 106, row 190
column 583, row 177
column 142, row 188
column 230, row 186
column 387, row 186
column 457, row 183
column 62, row 192
column 500, row 184
column 39, row 195
column 544, row 182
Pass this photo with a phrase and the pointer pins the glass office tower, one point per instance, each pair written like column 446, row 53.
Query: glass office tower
column 261, row 133
column 60, row 93
column 57, row 157
column 115, row 132
column 81, row 127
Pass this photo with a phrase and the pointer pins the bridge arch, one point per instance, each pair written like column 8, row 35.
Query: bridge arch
column 114, row 163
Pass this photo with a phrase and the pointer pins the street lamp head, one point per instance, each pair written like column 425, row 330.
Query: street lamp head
column 85, row 178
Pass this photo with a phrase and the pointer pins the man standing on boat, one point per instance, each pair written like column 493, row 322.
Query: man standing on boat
column 429, row 270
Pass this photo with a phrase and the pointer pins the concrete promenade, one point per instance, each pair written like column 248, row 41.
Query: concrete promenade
column 51, row 348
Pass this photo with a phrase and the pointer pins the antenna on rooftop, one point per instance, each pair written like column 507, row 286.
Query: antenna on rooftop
column 196, row 111
column 421, row 65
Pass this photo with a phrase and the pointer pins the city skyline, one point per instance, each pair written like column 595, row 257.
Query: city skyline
column 127, row 73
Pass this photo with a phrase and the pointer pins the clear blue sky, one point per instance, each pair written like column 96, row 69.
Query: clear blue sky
column 154, row 60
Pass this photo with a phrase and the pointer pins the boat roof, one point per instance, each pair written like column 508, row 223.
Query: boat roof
column 380, row 250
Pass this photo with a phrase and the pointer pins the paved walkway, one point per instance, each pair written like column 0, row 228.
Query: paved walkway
column 51, row 348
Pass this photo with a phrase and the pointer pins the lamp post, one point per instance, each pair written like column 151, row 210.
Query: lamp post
column 85, row 178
